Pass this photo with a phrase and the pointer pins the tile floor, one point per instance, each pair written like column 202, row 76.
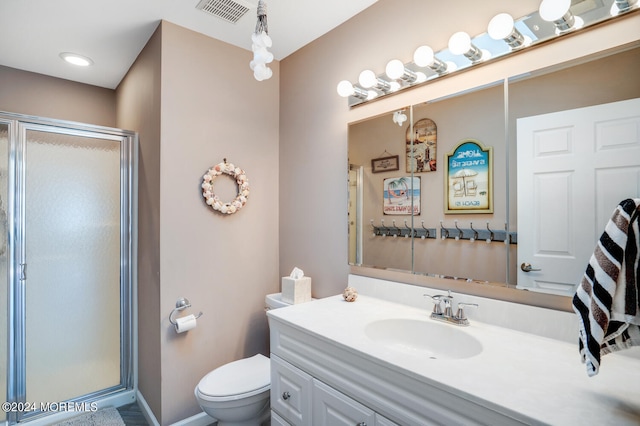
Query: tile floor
column 132, row 415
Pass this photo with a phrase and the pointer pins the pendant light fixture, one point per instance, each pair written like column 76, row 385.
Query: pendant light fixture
column 261, row 43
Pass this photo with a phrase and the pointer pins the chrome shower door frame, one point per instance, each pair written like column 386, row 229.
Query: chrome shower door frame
column 19, row 125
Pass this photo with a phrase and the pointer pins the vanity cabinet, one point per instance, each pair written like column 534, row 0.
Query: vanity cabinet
column 332, row 408
column 298, row 399
column 318, row 380
column 341, row 371
column 276, row 420
column 290, row 392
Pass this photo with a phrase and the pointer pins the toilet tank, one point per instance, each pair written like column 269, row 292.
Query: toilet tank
column 274, row 301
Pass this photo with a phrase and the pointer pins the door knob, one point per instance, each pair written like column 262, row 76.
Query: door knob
column 526, row 267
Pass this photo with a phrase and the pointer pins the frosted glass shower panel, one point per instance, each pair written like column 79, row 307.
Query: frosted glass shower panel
column 72, row 252
column 4, row 288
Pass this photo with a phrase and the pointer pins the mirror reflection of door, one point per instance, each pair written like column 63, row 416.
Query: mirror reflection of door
column 355, row 214
column 574, row 167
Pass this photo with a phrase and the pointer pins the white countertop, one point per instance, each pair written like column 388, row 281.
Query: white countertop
column 541, row 378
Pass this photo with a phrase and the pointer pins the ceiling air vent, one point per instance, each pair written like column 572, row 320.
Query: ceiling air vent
column 229, row 10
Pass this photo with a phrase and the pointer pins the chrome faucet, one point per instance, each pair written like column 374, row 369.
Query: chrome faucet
column 447, row 315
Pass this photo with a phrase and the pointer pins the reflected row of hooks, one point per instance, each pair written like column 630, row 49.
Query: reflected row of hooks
column 485, row 233
column 404, row 231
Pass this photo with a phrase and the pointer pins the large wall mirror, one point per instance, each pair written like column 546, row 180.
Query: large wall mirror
column 392, row 162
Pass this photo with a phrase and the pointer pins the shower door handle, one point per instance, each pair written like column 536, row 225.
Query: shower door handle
column 23, row 272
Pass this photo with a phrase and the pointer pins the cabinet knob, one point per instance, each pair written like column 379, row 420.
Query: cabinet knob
column 361, row 424
column 286, row 395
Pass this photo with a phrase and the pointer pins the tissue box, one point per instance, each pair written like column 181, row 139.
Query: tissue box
column 296, row 290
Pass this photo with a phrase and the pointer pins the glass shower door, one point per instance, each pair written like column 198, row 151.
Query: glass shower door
column 71, row 251
column 72, row 265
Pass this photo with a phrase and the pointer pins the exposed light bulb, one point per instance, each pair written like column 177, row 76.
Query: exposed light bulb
column 345, row 88
column 423, row 56
column 501, row 26
column 553, row 10
column 460, row 43
column 367, row 79
column 558, row 12
column 394, row 69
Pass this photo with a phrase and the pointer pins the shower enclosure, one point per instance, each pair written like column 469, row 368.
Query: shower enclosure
column 67, row 267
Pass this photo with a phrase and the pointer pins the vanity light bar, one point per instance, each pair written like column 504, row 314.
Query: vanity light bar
column 554, row 18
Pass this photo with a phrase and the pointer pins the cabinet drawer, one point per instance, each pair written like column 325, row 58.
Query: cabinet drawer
column 290, row 392
column 332, row 408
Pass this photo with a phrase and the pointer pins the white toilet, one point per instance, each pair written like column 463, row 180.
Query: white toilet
column 237, row 393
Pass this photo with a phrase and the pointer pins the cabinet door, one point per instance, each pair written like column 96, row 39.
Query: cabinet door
column 383, row 421
column 332, row 408
column 276, row 420
column 290, row 392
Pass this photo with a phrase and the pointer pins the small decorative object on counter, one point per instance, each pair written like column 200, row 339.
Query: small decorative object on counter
column 350, row 294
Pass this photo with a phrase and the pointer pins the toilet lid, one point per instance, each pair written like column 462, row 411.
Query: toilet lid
column 238, row 377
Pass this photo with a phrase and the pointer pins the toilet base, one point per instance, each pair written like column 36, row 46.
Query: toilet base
column 263, row 419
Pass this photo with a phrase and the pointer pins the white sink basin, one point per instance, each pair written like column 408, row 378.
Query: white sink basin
column 434, row 339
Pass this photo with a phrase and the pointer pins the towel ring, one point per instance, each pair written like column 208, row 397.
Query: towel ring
column 182, row 304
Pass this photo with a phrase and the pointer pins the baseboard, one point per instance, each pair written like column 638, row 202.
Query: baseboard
column 146, row 410
column 201, row 419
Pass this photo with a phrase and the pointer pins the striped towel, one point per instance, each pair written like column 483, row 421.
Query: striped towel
column 606, row 300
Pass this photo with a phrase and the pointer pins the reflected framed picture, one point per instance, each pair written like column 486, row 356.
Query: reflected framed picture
column 385, row 164
column 401, row 196
column 469, row 178
column 421, row 146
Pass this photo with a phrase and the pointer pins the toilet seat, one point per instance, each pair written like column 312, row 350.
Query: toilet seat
column 236, row 380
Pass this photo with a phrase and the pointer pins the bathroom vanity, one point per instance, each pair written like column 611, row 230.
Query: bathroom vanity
column 377, row 362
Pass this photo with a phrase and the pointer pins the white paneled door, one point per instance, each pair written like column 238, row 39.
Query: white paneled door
column 574, row 167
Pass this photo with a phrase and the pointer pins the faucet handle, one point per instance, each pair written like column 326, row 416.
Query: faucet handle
column 437, row 309
column 460, row 315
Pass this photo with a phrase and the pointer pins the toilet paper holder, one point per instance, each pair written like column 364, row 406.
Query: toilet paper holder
column 182, row 304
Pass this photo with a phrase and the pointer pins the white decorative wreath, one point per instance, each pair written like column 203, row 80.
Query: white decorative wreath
column 213, row 200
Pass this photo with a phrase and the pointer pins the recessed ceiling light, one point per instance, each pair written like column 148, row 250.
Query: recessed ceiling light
column 75, row 59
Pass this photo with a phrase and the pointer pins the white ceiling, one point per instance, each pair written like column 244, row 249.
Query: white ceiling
column 113, row 32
